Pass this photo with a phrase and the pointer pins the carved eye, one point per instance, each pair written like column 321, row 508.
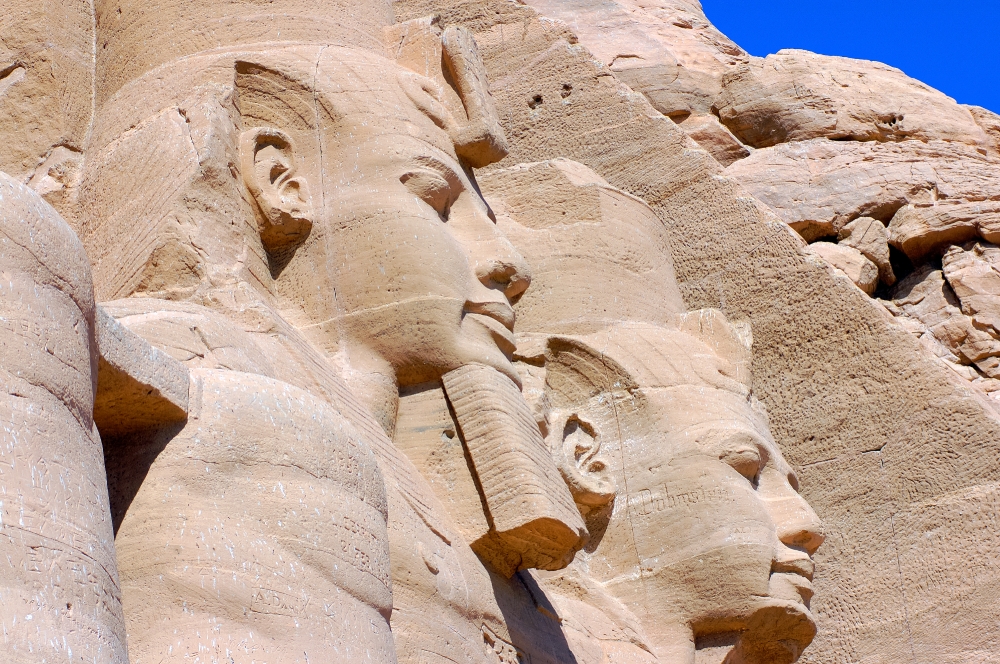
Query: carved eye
column 430, row 187
column 745, row 460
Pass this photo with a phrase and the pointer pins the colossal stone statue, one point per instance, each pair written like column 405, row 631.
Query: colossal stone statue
column 59, row 588
column 707, row 540
column 314, row 233
column 330, row 159
column 369, row 465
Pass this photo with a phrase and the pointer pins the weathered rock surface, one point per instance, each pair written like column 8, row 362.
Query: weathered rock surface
column 972, row 273
column 870, row 237
column 666, row 49
column 922, row 230
column 712, row 135
column 296, row 532
column 571, row 221
column 818, row 186
column 46, row 91
column 796, row 95
column 59, row 590
column 844, row 367
column 990, row 123
column 138, row 386
column 850, row 261
column 928, row 297
column 611, row 401
column 304, row 213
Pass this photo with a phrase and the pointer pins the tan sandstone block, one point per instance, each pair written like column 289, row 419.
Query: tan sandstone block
column 926, row 296
column 666, row 50
column 921, row 230
column 990, row 123
column 870, row 237
column 134, row 40
column 569, row 222
column 851, row 262
column 818, row 186
column 715, row 137
column 138, row 386
column 972, row 273
column 46, row 89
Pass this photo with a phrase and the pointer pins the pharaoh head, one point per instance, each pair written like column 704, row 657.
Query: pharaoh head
column 694, row 514
column 338, row 186
column 707, row 538
column 407, row 273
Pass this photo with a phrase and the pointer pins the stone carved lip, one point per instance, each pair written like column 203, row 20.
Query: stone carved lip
column 791, row 579
column 801, row 566
column 498, row 318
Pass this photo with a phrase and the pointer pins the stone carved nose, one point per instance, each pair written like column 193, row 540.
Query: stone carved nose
column 503, row 268
column 801, row 528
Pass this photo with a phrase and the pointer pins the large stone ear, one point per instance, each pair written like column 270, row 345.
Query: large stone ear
column 269, row 169
column 581, row 386
column 575, row 443
column 451, row 60
column 279, row 117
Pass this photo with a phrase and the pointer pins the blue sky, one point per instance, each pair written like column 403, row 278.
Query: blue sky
column 953, row 46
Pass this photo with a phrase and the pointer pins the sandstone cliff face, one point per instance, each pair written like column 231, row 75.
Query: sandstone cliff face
column 46, row 94
column 489, row 331
column 842, row 378
column 665, row 49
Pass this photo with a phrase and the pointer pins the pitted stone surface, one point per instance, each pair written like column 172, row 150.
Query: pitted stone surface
column 483, row 331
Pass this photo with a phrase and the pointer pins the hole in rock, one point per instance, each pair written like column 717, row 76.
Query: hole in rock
column 901, row 264
column 679, row 116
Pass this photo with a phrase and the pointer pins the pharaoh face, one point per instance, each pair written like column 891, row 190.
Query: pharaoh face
column 404, row 268
column 708, row 472
column 423, row 278
column 708, row 532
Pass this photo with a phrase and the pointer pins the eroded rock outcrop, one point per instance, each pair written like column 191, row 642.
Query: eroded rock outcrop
column 796, row 95
column 819, row 186
column 990, row 123
column 667, row 49
column 845, row 258
column 444, row 330
column 959, row 331
column 870, row 237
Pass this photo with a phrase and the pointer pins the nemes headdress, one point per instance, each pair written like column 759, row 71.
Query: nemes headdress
column 136, row 37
